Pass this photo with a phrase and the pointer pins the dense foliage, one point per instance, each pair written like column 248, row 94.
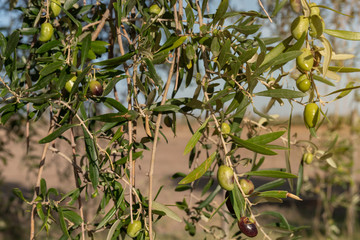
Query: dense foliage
column 66, row 61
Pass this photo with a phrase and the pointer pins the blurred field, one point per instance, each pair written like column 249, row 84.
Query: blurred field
column 19, row 173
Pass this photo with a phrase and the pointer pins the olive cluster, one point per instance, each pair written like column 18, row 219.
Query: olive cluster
column 303, row 26
column 226, row 178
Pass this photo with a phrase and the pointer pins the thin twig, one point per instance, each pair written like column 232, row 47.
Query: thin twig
column 262, row 6
column 76, row 176
column 153, row 150
column 106, row 14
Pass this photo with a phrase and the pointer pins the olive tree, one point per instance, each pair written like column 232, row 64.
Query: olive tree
column 66, row 61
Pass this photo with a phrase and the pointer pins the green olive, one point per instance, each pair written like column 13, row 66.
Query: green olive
column 247, row 186
column 225, row 128
column 308, row 157
column 303, row 83
column 311, row 115
column 69, row 85
column 305, row 61
column 299, row 26
column 55, row 7
column 154, row 9
column 317, row 26
column 295, row 5
column 96, row 88
column 225, row 177
column 46, row 32
column 134, row 228
column 315, row 10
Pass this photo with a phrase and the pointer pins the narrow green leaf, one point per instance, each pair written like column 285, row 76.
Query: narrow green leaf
column 72, row 216
column 199, row 171
column 117, row 105
column 281, row 93
column 266, row 138
column 62, row 222
column 300, row 178
column 113, row 229
column 344, row 91
column 323, row 80
column 56, row 133
column 18, row 193
column 252, row 146
column 43, row 188
column 238, row 202
column 12, row 43
column 195, row 138
column 48, row 46
column 85, row 46
column 209, row 199
column 114, row 62
column 50, row 68
column 111, row 212
column 271, row 173
column 166, row 108
column 153, row 74
column 168, row 212
column 328, row 54
column 221, row 10
column 270, row 185
column 347, row 35
column 277, row 50
column 343, row 69
column 93, row 158
column 274, row 194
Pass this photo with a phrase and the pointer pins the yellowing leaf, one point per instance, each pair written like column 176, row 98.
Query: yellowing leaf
column 199, row 171
column 327, row 54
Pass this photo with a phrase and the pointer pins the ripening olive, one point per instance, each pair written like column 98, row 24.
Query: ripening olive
column 308, row 157
column 134, row 228
column 247, row 227
column 315, row 10
column 303, row 83
column 55, row 7
column 96, row 88
column 311, row 115
column 295, row 5
column 247, row 186
column 305, row 61
column 46, row 32
column 225, row 177
column 317, row 26
column 225, row 128
column 154, row 9
column 299, row 26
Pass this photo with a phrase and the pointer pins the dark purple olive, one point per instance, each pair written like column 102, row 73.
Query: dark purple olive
column 247, row 227
column 228, row 203
column 95, row 88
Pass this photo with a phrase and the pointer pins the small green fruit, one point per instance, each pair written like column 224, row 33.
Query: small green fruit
column 305, row 61
column 154, row 9
column 317, row 26
column 311, row 115
column 295, row 5
column 46, row 32
column 225, row 128
column 225, row 177
column 247, row 186
column 308, row 157
column 55, row 7
column 134, row 228
column 299, row 27
column 315, row 10
column 96, row 88
column 69, row 85
column 303, row 83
